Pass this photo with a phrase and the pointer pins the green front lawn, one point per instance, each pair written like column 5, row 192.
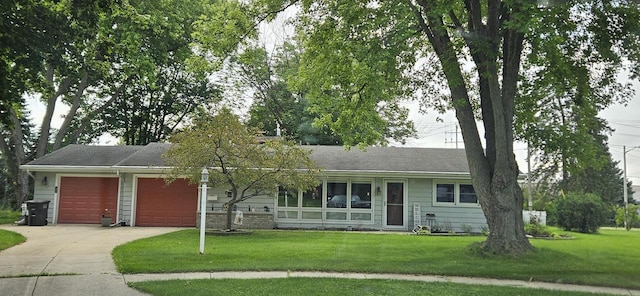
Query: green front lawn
column 605, row 259
column 9, row 239
column 330, row 287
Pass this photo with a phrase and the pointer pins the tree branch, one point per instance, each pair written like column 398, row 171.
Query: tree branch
column 87, row 119
column 72, row 112
column 45, row 127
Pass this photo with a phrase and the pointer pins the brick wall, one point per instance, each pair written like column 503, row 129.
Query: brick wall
column 252, row 220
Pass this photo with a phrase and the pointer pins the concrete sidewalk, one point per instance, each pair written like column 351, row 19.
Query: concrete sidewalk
column 422, row 278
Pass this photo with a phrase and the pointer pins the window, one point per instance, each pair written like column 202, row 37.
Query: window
column 445, row 193
column 361, row 195
column 312, row 198
column 287, row 197
column 467, row 194
column 454, row 194
column 336, row 195
column 336, row 201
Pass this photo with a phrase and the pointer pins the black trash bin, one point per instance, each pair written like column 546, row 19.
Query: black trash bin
column 37, row 212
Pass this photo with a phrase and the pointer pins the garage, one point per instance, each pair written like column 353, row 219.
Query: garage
column 83, row 199
column 161, row 204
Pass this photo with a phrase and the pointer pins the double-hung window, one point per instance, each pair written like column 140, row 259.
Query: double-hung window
column 454, row 193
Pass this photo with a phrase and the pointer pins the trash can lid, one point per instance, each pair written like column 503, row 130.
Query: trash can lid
column 37, row 201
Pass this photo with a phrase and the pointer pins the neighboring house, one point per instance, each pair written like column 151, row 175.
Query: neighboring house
column 390, row 188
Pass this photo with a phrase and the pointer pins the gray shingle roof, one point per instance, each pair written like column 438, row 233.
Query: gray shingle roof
column 330, row 158
column 148, row 156
column 86, row 155
column 391, row 159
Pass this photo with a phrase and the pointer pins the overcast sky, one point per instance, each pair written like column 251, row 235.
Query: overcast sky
column 625, row 120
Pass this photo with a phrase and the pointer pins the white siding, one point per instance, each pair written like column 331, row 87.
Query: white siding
column 421, row 191
column 257, row 203
column 46, row 192
column 125, row 198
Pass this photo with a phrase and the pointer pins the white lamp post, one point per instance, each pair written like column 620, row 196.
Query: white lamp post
column 203, row 206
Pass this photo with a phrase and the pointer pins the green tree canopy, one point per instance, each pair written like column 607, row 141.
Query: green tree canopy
column 360, row 57
column 234, row 158
column 274, row 105
column 88, row 56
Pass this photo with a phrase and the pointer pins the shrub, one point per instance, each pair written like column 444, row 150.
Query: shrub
column 535, row 228
column 8, row 216
column 632, row 210
column 466, row 227
column 552, row 213
column 581, row 212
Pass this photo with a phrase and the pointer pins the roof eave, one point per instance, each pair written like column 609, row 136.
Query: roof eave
column 66, row 168
column 399, row 174
column 142, row 169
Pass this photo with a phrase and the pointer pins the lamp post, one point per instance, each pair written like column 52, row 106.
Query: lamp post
column 203, row 206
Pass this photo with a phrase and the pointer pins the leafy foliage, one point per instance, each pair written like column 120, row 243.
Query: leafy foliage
column 151, row 111
column 92, row 56
column 581, row 212
column 632, row 215
column 274, row 105
column 234, row 158
column 536, row 229
column 508, row 63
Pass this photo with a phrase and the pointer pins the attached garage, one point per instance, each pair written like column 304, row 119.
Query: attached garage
column 161, row 204
column 83, row 199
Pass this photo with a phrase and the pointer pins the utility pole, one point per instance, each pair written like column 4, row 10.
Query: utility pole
column 453, row 140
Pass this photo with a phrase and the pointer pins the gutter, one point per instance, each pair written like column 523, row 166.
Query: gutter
column 164, row 169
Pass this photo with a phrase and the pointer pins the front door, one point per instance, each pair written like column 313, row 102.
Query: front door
column 395, row 200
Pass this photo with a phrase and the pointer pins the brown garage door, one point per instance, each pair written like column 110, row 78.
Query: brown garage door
column 161, row 204
column 83, row 199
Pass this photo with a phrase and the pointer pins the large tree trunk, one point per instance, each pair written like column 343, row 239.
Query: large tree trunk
column 493, row 168
column 503, row 211
column 45, row 126
column 229, row 213
column 13, row 151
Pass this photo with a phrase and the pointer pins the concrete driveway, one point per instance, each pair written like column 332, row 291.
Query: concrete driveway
column 82, row 252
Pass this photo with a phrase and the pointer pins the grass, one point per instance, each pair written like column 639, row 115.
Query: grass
column 9, row 239
column 605, row 259
column 329, row 287
column 9, row 216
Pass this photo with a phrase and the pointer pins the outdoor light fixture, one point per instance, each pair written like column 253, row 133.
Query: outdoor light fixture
column 378, row 190
column 205, row 176
column 44, row 181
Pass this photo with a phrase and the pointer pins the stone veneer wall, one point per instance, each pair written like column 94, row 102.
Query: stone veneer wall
column 251, row 220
